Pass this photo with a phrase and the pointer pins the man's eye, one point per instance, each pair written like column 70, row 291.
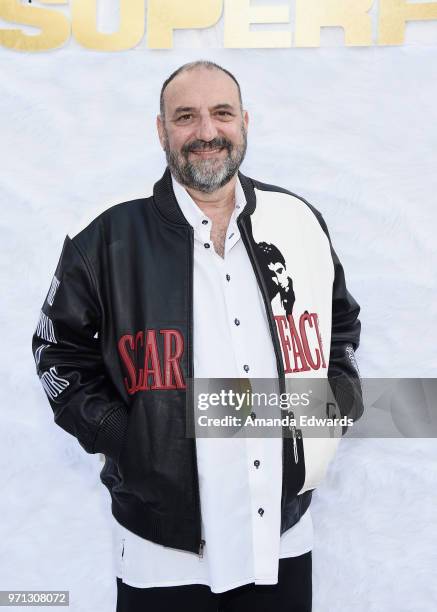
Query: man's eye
column 224, row 114
column 183, row 118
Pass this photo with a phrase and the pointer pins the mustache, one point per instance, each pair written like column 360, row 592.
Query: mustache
column 203, row 145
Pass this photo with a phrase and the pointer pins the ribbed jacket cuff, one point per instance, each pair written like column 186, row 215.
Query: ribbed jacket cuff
column 110, row 437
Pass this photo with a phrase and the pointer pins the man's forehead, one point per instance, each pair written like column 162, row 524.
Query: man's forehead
column 201, row 87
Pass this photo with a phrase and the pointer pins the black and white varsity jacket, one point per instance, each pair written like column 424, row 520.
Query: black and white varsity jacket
column 114, row 347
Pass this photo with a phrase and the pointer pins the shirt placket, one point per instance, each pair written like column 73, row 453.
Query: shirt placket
column 262, row 480
column 234, row 302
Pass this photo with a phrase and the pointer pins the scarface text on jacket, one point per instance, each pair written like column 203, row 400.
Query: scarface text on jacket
column 152, row 360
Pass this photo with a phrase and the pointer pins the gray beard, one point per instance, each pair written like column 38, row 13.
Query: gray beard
column 206, row 175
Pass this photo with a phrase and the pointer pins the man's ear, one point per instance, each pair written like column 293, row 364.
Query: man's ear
column 246, row 119
column 160, row 128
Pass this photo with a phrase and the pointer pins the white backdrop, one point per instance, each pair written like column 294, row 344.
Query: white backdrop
column 352, row 130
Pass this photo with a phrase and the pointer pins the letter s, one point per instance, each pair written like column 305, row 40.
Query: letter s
column 54, row 26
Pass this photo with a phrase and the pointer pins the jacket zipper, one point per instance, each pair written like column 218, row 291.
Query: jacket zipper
column 201, row 542
column 268, row 306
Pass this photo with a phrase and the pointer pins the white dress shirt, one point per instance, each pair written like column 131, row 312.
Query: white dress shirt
column 240, row 479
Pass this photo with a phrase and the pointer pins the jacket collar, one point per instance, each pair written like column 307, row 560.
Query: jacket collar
column 168, row 206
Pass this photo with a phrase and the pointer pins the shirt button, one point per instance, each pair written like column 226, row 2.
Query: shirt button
column 253, row 415
column 260, row 511
column 246, row 368
column 256, row 463
column 206, row 245
column 205, row 222
column 237, row 322
column 228, row 278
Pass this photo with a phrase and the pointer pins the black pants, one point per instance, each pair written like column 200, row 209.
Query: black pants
column 293, row 593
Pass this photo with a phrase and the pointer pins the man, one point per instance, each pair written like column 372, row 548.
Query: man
column 207, row 523
column 280, row 284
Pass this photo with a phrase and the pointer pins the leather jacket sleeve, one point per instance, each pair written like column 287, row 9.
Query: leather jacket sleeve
column 343, row 373
column 69, row 362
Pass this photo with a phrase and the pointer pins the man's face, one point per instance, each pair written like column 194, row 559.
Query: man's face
column 204, row 132
column 279, row 274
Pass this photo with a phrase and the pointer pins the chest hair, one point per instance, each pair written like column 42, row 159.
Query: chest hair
column 218, row 234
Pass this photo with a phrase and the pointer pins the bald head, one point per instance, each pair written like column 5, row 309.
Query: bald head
column 196, row 66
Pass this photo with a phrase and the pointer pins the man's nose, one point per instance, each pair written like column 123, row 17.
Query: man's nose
column 206, row 128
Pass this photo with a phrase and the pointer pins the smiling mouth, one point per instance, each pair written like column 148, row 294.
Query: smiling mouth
column 207, row 152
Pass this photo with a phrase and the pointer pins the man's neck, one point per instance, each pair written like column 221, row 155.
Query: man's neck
column 216, row 205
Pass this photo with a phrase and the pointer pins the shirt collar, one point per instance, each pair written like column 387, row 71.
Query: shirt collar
column 194, row 215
